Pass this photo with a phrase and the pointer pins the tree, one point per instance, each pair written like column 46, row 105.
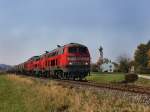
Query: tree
column 94, row 67
column 141, row 58
column 124, row 64
column 99, row 62
column 116, row 66
column 148, row 53
column 141, row 55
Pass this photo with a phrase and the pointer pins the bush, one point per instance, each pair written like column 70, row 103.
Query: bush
column 131, row 77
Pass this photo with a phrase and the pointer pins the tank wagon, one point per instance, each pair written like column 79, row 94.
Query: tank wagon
column 71, row 61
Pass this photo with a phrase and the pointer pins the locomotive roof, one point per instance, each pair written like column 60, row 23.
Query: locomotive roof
column 67, row 45
column 48, row 52
column 72, row 44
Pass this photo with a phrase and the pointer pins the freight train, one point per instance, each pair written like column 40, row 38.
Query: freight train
column 71, row 61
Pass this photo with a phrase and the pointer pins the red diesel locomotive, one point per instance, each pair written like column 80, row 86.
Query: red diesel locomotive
column 70, row 61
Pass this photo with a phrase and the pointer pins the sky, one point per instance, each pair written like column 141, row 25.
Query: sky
column 30, row 27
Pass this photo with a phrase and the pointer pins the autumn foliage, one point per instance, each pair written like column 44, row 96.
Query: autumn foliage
column 142, row 58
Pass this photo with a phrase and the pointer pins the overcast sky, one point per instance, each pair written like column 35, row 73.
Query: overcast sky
column 30, row 27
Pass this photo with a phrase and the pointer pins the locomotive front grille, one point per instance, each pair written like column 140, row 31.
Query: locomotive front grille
column 79, row 68
column 76, row 63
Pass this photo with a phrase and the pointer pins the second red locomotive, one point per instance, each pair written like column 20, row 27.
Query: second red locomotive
column 70, row 61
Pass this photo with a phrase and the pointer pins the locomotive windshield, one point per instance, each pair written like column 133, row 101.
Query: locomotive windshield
column 73, row 50
column 82, row 50
column 77, row 50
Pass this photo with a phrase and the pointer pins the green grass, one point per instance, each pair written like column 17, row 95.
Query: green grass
column 143, row 82
column 106, row 77
column 113, row 78
column 10, row 96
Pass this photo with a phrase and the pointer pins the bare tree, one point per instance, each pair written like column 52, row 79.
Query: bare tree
column 124, row 63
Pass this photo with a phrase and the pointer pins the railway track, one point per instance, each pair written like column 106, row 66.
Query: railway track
column 114, row 86
column 118, row 86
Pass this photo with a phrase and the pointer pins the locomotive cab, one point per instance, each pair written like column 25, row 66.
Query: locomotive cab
column 78, row 61
column 78, row 55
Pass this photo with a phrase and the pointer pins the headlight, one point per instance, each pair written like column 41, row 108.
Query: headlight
column 70, row 63
column 86, row 63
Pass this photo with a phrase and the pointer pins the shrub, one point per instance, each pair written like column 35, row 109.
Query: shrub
column 131, row 77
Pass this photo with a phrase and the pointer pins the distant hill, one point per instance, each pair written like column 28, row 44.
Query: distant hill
column 4, row 67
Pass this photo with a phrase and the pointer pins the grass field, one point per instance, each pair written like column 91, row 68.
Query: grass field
column 23, row 94
column 114, row 78
column 106, row 78
column 143, row 82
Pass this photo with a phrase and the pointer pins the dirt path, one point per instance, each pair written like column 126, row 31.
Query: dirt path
column 145, row 77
